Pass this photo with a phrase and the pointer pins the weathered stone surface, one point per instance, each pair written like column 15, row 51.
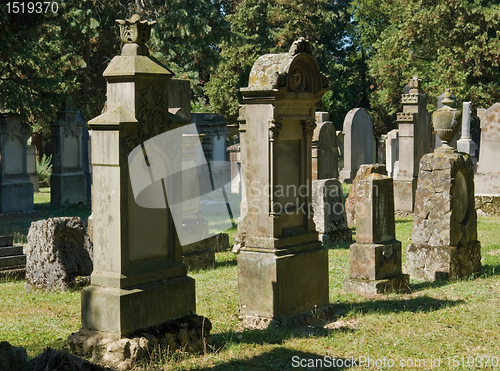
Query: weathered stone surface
column 432, row 263
column 391, row 151
column 488, row 205
column 375, row 261
column 59, row 250
column 399, row 284
column 13, row 358
column 329, row 211
column 444, row 238
column 353, row 198
column 488, row 168
column 358, row 142
column 324, row 149
column 190, row 333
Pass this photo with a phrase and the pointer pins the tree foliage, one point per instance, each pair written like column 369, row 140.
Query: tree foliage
column 448, row 43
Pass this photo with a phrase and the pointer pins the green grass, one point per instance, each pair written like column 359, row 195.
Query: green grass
column 442, row 319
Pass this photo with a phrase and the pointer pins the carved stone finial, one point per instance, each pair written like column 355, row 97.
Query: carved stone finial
column 136, row 32
column 301, row 45
column 449, row 99
column 414, row 82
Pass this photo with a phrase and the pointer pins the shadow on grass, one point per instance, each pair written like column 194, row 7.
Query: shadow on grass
column 226, row 263
column 421, row 304
column 404, row 220
column 428, row 285
column 490, row 270
column 283, row 359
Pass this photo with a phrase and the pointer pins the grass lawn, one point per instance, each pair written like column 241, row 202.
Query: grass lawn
column 436, row 321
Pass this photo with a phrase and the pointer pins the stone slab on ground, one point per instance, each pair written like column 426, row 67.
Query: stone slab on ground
column 190, row 333
column 6, row 241
column 399, row 284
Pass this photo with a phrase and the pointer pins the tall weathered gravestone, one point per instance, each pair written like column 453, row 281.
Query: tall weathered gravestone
column 325, row 154
column 392, row 152
column 68, row 183
column 413, row 144
column 488, row 168
column 16, row 189
column 283, row 268
column 358, row 143
column 138, row 280
column 444, row 241
column 375, row 258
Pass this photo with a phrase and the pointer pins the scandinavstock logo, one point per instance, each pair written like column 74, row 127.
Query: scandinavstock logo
column 171, row 169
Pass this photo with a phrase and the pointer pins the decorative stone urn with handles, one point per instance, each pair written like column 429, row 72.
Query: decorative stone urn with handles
column 446, row 121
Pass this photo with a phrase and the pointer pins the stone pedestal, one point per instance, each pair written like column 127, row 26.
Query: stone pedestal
column 444, row 242
column 16, row 189
column 139, row 280
column 68, row 182
column 282, row 268
column 413, row 144
column 375, row 258
column 11, row 256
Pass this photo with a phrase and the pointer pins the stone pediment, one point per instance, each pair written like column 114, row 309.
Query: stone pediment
column 296, row 71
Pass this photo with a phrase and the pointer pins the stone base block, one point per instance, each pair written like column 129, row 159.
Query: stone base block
column 487, row 205
column 404, row 194
column 124, row 311
column 277, row 284
column 399, row 284
column 67, row 190
column 323, row 314
column 35, row 180
column 16, row 197
column 431, row 263
column 199, row 259
column 375, row 261
column 190, row 333
column 338, row 236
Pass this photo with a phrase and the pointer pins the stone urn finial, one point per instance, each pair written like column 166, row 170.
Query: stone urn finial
column 135, row 34
column 446, row 122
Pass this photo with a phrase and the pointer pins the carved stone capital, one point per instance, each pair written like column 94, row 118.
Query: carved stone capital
column 308, row 127
column 274, row 129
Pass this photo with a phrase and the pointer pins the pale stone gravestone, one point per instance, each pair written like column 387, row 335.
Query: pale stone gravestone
column 391, row 151
column 68, row 182
column 31, row 168
column 354, row 198
column 235, row 158
column 11, row 256
column 324, row 149
column 358, row 143
column 488, row 168
column 139, row 280
column 340, row 145
column 375, row 258
column 413, row 144
column 444, row 240
column 381, row 149
column 329, row 212
column 59, row 254
column 16, row 189
column 282, row 268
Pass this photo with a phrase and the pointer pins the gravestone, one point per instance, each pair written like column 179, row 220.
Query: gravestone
column 340, row 145
column 31, row 168
column 358, row 143
column 68, row 182
column 324, row 149
column 354, row 198
column 16, row 189
column 444, row 239
column 329, row 211
column 282, row 267
column 86, row 161
column 235, row 158
column 59, row 254
column 488, row 168
column 12, row 258
column 381, row 149
column 392, row 152
column 375, row 258
column 413, row 144
column 137, row 256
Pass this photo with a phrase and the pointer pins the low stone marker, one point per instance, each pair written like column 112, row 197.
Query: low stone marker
column 444, row 242
column 375, row 258
column 12, row 259
column 59, row 254
column 329, row 211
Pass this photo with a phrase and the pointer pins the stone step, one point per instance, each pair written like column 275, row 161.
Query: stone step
column 11, row 250
column 11, row 261
column 6, row 241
